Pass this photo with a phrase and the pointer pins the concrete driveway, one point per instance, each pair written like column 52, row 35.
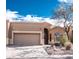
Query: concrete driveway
column 31, row 52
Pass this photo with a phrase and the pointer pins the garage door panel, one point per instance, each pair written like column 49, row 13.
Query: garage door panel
column 27, row 39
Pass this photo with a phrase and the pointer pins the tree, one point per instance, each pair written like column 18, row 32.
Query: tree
column 64, row 11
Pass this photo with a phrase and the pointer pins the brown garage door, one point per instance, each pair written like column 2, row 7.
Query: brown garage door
column 26, row 39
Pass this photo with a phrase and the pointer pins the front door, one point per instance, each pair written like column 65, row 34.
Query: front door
column 45, row 35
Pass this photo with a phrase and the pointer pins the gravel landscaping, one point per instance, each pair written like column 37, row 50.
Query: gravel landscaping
column 36, row 52
column 58, row 51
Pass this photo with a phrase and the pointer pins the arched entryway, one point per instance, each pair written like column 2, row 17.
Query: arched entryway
column 45, row 35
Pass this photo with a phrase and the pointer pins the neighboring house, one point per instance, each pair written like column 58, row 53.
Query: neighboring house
column 31, row 33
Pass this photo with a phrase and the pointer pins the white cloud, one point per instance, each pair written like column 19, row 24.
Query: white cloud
column 66, row 1
column 62, row 0
column 30, row 18
column 13, row 15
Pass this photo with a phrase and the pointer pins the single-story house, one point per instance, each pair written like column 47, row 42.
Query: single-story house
column 27, row 33
column 30, row 33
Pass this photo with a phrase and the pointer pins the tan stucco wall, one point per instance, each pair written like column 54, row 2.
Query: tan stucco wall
column 7, row 21
column 24, row 26
column 70, row 34
column 53, row 31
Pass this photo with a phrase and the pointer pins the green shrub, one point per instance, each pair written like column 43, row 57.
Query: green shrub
column 63, row 39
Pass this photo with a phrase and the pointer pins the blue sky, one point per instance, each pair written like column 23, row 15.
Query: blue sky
column 32, row 10
column 41, row 8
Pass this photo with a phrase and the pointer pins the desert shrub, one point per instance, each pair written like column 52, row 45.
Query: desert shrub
column 63, row 39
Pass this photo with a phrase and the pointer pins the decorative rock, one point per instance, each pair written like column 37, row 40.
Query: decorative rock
column 68, row 45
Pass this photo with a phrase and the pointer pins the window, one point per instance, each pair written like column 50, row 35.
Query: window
column 57, row 37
